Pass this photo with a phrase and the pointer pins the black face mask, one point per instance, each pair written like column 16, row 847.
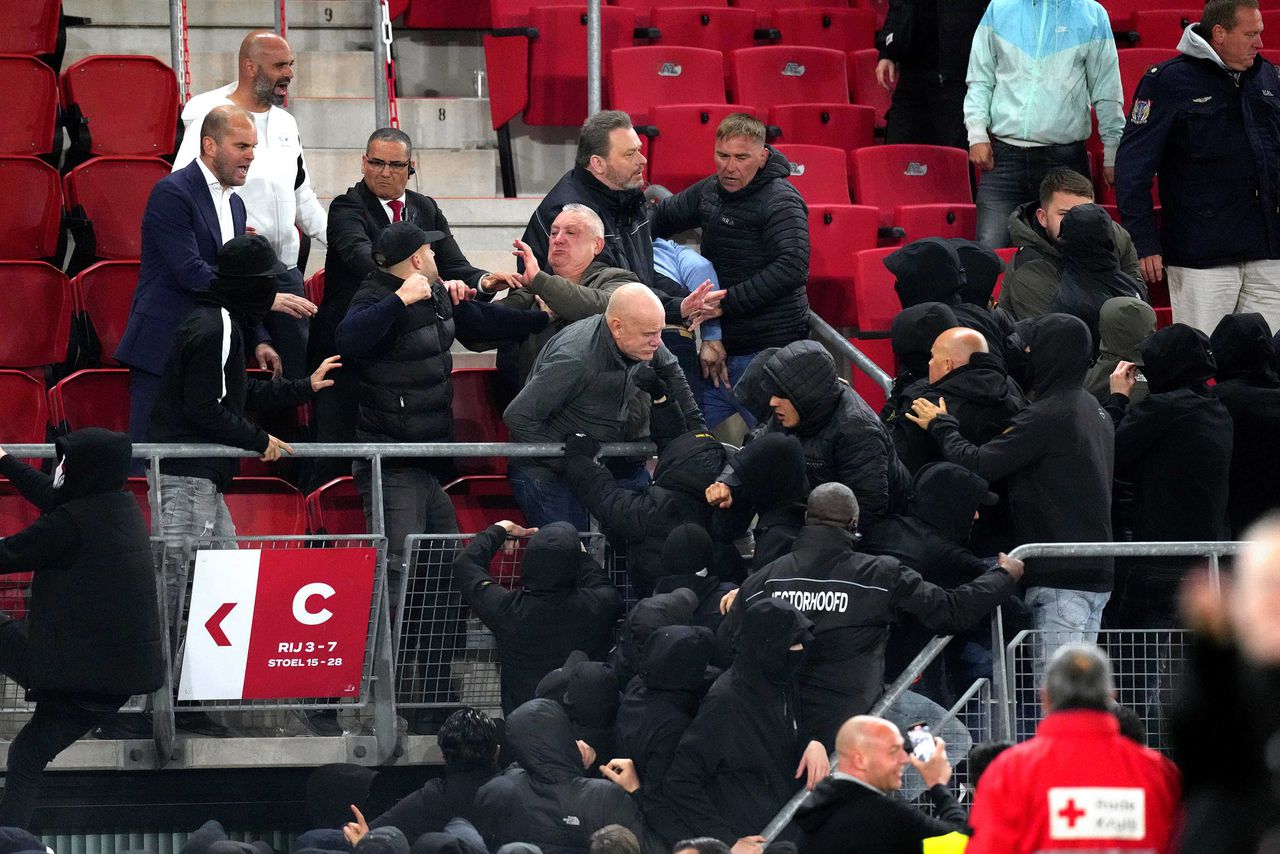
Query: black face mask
column 248, row 298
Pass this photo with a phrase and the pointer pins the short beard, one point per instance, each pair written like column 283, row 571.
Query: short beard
column 264, row 91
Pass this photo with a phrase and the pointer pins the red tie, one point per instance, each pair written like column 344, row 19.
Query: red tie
column 397, row 207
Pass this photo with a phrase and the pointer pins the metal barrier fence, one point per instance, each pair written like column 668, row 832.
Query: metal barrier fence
column 974, row 713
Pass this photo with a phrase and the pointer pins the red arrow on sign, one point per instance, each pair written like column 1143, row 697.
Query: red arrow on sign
column 214, row 625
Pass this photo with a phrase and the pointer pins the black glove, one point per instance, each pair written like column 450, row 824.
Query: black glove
column 581, row 445
column 647, row 380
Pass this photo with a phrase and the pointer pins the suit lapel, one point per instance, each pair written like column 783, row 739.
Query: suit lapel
column 204, row 202
column 373, row 205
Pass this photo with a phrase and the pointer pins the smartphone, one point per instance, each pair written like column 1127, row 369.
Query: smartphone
column 921, row 741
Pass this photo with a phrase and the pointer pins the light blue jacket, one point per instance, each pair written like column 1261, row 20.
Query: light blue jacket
column 1035, row 68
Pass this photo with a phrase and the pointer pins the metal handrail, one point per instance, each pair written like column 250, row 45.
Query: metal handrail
column 363, row 449
column 828, row 335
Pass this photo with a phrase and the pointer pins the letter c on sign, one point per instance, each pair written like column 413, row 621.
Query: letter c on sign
column 300, row 612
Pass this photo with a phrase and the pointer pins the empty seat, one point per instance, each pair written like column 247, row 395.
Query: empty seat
column 895, row 176
column 16, row 512
column 683, row 152
column 846, row 126
column 881, row 352
column 766, row 9
column 863, row 88
column 434, row 15
column 642, row 77
column 819, row 173
column 842, row 29
column 708, row 26
column 31, row 111
column 265, row 506
column 22, row 399
column 35, row 314
column 873, row 292
column 103, row 295
column 95, row 397
column 336, row 508
column 765, row 76
column 643, row 9
column 477, row 416
column 942, row 220
column 121, row 105
column 106, row 198
column 1134, row 63
column 31, row 216
column 29, row 26
column 835, row 233
column 1162, row 27
column 481, row 500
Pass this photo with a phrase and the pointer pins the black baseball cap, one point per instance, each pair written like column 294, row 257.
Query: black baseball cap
column 248, row 256
column 400, row 240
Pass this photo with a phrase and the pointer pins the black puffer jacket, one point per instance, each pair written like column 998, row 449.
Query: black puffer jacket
column 686, row 467
column 1091, row 272
column 405, row 393
column 843, row 439
column 93, row 625
column 656, row 709
column 566, row 603
column 758, row 240
column 735, row 766
column 544, row 799
column 1249, row 386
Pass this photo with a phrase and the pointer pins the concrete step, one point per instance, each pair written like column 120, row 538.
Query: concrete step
column 471, row 172
column 439, row 63
column 430, row 122
column 245, row 14
column 154, row 39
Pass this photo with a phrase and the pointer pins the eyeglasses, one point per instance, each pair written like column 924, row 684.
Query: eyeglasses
column 378, row 165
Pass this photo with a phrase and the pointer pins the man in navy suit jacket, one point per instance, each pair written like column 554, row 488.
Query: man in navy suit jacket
column 182, row 229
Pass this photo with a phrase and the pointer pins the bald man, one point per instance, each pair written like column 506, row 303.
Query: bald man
column 277, row 193
column 853, row 810
column 978, row 392
column 598, row 377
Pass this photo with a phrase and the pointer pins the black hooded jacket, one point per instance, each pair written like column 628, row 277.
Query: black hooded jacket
column 590, row 693
column 735, row 765
column 852, row 599
column 843, row 439
column 656, row 709
column 768, row 480
column 758, row 239
column 544, row 799
column 1175, row 444
column 1057, row 455
column 673, row 608
column 1249, row 387
column 686, row 467
column 566, row 603
column 93, row 625
column 687, row 558
column 1091, row 272
column 912, row 335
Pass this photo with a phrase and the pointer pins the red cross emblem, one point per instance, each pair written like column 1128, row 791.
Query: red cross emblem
column 1071, row 813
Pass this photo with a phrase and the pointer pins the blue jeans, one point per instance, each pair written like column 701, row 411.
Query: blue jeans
column 190, row 507
column 719, row 403
column 545, row 498
column 1016, row 180
column 1062, row 617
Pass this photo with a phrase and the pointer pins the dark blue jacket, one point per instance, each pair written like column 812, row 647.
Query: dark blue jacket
column 180, row 242
column 1216, row 147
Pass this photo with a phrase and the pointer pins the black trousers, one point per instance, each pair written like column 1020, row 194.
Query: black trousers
column 926, row 111
column 56, row 724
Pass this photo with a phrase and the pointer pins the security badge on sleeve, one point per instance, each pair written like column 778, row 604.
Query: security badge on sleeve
column 1141, row 111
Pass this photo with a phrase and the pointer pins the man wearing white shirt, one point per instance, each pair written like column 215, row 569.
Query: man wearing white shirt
column 277, row 193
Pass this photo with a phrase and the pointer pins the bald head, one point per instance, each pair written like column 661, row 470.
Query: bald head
column 266, row 70
column 870, row 749
column 953, row 349
column 227, row 138
column 635, row 318
column 1254, row 597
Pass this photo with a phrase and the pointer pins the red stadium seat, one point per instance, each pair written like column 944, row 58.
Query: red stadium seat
column 873, row 291
column 846, row 126
column 712, row 27
column 313, row 287
column 684, row 150
column 95, row 397
column 29, row 26
column 1006, row 254
column 1134, row 63
column 766, row 9
column 765, row 76
column 477, row 417
column 819, row 173
column 16, row 512
column 481, row 500
column 31, row 216
column 643, row 9
column 125, row 105
column 1162, row 27
column 894, row 176
column 1164, row 317
column 106, row 197
column 138, row 488
column 265, row 506
column 434, row 15
column 881, row 352
column 35, row 310
column 32, row 110
column 863, row 87
column 945, row 220
column 640, row 78
column 336, row 508
column 1271, row 21
column 843, row 29
column 22, row 398
column 104, row 294
column 835, row 233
